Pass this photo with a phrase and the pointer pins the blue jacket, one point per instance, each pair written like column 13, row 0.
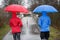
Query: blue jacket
column 44, row 23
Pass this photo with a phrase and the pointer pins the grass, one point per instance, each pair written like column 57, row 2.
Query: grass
column 54, row 34
column 3, row 30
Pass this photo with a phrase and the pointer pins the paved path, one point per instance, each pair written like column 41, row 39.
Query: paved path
column 25, row 35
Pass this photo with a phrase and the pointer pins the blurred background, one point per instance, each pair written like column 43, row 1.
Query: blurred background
column 30, row 5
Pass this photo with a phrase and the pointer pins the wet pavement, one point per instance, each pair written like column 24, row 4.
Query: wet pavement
column 23, row 37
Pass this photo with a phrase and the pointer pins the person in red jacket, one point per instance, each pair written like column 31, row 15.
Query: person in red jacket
column 16, row 25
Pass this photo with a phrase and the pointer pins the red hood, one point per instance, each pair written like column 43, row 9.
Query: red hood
column 14, row 14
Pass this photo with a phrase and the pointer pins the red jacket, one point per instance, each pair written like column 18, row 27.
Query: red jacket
column 15, row 24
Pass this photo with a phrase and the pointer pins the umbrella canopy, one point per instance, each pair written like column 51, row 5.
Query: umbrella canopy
column 16, row 8
column 46, row 8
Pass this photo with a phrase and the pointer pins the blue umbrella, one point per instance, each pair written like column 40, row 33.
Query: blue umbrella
column 46, row 8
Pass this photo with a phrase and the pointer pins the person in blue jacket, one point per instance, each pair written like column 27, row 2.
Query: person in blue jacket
column 44, row 23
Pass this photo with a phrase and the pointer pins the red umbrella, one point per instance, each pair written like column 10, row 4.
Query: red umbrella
column 16, row 8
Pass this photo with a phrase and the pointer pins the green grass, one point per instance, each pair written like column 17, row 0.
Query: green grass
column 3, row 30
column 54, row 34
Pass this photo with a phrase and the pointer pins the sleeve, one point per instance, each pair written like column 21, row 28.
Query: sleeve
column 39, row 22
column 49, row 22
column 20, row 23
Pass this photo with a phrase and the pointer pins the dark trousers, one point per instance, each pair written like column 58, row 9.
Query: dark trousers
column 45, row 35
column 16, row 36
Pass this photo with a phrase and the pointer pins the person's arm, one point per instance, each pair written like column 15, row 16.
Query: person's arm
column 49, row 22
column 20, row 23
column 39, row 22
